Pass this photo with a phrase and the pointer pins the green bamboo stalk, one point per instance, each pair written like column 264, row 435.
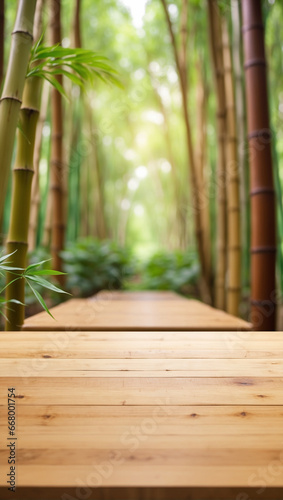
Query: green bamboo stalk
column 35, row 192
column 215, row 32
column 232, row 185
column 10, row 102
column 56, row 162
column 2, row 38
column 21, row 195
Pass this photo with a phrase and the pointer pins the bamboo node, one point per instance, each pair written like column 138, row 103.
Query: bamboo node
column 258, row 191
column 18, row 243
column 264, row 133
column 11, row 98
column 23, row 169
column 255, row 62
column 263, row 249
column 255, row 26
column 23, row 32
column 234, row 247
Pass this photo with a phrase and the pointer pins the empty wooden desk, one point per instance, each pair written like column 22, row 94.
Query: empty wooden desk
column 145, row 416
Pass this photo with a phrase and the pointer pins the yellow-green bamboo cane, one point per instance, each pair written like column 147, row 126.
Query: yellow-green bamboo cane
column 10, row 102
column 17, row 240
column 57, row 174
column 35, row 191
column 217, row 63
column 232, row 185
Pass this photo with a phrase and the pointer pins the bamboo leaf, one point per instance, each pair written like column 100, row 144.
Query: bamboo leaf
column 4, row 257
column 36, row 265
column 46, row 272
column 40, row 299
column 45, row 284
column 79, row 65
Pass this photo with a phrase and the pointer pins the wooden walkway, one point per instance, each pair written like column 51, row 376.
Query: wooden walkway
column 135, row 311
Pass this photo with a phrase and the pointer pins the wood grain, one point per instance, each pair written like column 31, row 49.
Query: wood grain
column 144, row 415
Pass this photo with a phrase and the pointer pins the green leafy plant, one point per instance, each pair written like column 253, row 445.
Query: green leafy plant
column 34, row 277
column 92, row 265
column 178, row 271
column 78, row 65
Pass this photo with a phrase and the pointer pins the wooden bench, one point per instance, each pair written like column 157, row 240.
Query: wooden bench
column 144, row 415
column 144, row 311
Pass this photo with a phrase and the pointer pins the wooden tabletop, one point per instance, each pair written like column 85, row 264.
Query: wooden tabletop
column 135, row 311
column 153, row 410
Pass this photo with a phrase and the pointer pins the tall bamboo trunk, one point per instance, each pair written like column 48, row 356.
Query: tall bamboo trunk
column 201, row 162
column 263, row 218
column 21, row 196
column 10, row 102
column 35, row 191
column 56, row 161
column 47, row 228
column 194, row 174
column 2, row 38
column 241, row 133
column 232, row 186
column 217, row 59
column 2, row 41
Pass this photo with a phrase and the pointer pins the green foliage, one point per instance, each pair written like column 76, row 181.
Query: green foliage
column 171, row 271
column 33, row 276
column 78, row 65
column 93, row 265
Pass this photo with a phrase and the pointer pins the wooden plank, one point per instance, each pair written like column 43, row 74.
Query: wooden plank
column 52, row 351
column 149, row 442
column 197, row 415
column 129, row 391
column 148, row 428
column 141, row 367
column 136, row 344
column 140, row 475
column 232, row 337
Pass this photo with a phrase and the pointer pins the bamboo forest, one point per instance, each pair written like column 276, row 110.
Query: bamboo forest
column 142, row 149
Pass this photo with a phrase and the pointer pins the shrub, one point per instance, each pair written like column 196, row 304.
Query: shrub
column 92, row 265
column 178, row 271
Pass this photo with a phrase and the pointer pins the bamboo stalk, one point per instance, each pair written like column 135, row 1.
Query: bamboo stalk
column 199, row 233
column 232, row 185
column 241, row 133
column 201, row 159
column 101, row 223
column 10, row 102
column 56, row 161
column 35, row 192
column 47, row 229
column 21, row 195
column 263, row 218
column 2, row 38
column 217, row 59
